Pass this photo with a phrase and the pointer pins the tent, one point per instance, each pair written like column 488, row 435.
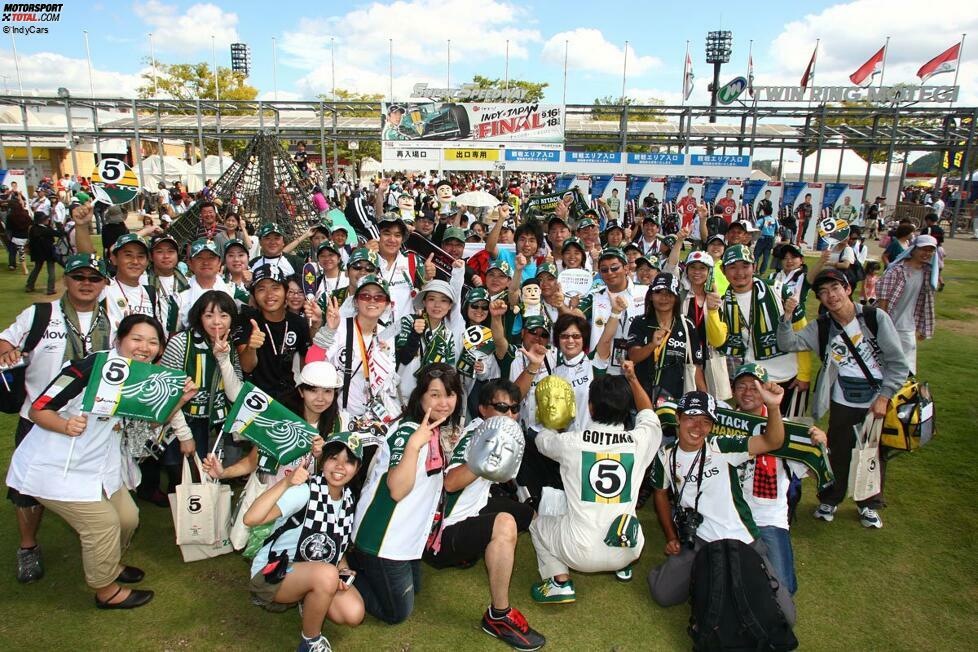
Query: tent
column 167, row 169
column 853, row 172
column 757, row 174
column 212, row 166
column 370, row 166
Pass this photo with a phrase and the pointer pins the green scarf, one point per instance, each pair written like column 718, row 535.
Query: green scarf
column 437, row 345
column 97, row 335
column 201, row 366
column 765, row 312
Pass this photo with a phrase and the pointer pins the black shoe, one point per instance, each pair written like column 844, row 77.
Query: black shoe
column 155, row 497
column 130, row 575
column 29, row 565
column 136, row 598
column 513, row 630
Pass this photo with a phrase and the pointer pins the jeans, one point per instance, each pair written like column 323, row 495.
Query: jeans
column 781, row 556
column 762, row 252
column 32, row 279
column 387, row 586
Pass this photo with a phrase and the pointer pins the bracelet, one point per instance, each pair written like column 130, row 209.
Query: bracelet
column 533, row 371
column 616, row 315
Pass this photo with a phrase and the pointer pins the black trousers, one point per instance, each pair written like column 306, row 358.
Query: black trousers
column 842, row 420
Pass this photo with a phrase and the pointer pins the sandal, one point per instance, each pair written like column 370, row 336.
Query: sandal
column 136, row 598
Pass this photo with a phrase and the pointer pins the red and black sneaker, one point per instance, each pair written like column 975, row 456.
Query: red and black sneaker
column 513, row 630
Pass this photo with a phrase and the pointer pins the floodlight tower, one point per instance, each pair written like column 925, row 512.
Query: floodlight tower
column 718, row 48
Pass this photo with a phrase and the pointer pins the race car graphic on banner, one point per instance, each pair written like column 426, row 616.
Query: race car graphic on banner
column 515, row 123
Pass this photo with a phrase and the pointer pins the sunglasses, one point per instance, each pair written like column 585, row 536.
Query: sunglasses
column 505, row 407
column 610, row 270
column 83, row 278
column 362, row 268
column 440, row 373
column 539, row 332
column 373, row 298
column 571, row 336
column 479, row 306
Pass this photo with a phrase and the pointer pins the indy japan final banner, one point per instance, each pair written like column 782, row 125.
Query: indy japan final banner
column 452, row 121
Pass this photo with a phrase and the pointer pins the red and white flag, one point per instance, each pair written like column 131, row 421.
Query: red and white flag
column 864, row 75
column 809, row 75
column 750, row 74
column 688, row 78
column 946, row 61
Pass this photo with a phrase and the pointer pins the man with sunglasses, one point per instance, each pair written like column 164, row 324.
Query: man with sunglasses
column 69, row 329
column 477, row 524
column 599, row 306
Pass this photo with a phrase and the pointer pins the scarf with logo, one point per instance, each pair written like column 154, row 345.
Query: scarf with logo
column 761, row 323
column 97, row 335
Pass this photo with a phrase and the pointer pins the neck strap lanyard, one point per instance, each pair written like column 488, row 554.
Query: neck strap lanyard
column 701, row 457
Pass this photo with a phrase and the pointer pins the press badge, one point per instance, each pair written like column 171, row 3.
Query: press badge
column 619, row 349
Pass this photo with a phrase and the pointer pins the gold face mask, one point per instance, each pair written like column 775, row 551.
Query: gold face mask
column 556, row 408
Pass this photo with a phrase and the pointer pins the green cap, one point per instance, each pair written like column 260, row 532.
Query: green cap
column 363, row 254
column 476, row 294
column 324, row 224
column 128, row 238
column 736, row 253
column 573, row 241
column 612, row 225
column 471, row 233
column 502, row 266
column 547, row 268
column 203, row 245
column 752, row 369
column 392, row 218
column 649, row 260
column 669, row 241
column 613, row 252
column 82, row 197
column 454, row 233
column 268, row 229
column 352, row 442
column 327, row 245
column 234, row 242
column 585, row 223
column 86, row 261
column 534, row 322
column 373, row 279
column 163, row 237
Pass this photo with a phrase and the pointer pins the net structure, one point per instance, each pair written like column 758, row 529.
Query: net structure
column 263, row 185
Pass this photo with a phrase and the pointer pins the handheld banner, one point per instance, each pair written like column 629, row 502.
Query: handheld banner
column 423, row 247
column 116, row 180
column 121, row 387
column 575, row 282
column 309, row 280
column 271, row 426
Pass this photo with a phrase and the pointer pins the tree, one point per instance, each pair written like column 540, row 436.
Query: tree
column 613, row 113
column 367, row 148
column 534, row 90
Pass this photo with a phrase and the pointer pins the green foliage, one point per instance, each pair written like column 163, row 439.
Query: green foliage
column 534, row 90
column 613, row 113
column 367, row 148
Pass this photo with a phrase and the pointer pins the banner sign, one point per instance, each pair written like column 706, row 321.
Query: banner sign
column 875, row 94
column 121, row 387
column 719, row 160
column 833, row 194
column 598, row 184
column 412, row 154
column 752, row 190
column 471, row 154
column 449, row 121
column 674, row 186
column 423, row 247
column 564, row 181
column 791, row 192
column 657, row 158
column 116, row 180
column 635, row 187
column 533, row 155
column 271, row 426
column 603, row 158
column 544, row 204
column 711, row 188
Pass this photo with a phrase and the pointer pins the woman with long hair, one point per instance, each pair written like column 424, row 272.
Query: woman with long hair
column 699, row 306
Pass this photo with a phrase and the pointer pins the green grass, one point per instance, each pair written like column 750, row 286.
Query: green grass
column 912, row 585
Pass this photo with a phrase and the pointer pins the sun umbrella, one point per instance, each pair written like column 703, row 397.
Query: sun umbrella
column 476, row 199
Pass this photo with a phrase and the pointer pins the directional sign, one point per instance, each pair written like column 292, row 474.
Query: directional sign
column 116, row 180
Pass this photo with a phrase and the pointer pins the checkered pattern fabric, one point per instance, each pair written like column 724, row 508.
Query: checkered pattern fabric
column 321, row 517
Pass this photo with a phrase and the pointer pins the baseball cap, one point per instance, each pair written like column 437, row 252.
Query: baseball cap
column 793, row 248
column 201, row 246
column 366, row 255
column 327, row 245
column 324, row 225
column 665, row 281
column 716, row 237
column 436, row 285
column 751, row 369
column 611, row 225
column 392, row 218
column 737, row 253
column 669, row 241
column 697, row 403
column 163, row 237
column 572, row 241
column 320, row 374
column 613, row 252
column 648, row 259
column 268, row 229
column 502, row 266
column 476, row 294
column 534, row 322
column 924, row 241
column 454, row 233
column 128, row 238
column 395, row 107
column 373, row 279
column 699, row 257
column 586, row 223
column 830, row 275
column 86, row 261
column 351, row 440
column 234, row 242
column 268, row 272
column 547, row 268
column 740, row 224
column 82, row 197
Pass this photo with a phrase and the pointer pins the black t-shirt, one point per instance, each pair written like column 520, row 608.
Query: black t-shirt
column 935, row 231
column 300, row 160
column 670, row 378
column 715, row 225
column 283, row 339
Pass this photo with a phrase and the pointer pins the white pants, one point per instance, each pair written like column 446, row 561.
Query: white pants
column 908, row 340
column 558, row 550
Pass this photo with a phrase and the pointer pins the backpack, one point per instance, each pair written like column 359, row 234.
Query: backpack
column 733, row 603
column 13, row 395
column 869, row 316
column 909, row 421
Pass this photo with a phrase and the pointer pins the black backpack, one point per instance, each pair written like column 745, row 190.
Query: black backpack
column 13, row 392
column 733, row 603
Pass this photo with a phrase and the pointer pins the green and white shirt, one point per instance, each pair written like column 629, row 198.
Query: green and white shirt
column 726, row 515
column 392, row 529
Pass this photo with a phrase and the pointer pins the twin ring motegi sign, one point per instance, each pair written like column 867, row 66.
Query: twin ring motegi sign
column 884, row 94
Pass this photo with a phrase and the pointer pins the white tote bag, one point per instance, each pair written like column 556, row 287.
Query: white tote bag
column 222, row 546
column 864, row 469
column 197, row 517
column 239, row 531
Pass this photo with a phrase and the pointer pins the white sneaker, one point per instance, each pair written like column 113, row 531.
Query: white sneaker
column 869, row 518
column 826, row 512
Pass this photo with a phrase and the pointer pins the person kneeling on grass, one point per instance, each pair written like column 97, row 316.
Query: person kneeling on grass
column 477, row 524
column 601, row 471
column 698, row 495
column 302, row 561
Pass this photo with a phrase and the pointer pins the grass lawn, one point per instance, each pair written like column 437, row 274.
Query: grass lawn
column 912, row 585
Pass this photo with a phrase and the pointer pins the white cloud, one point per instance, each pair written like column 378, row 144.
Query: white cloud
column 587, row 49
column 45, row 72
column 281, row 96
column 189, row 31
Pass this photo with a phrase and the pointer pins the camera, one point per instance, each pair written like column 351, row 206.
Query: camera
column 687, row 520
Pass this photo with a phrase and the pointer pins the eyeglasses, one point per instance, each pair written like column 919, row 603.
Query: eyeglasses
column 505, row 407
column 372, row 298
column 479, row 306
column 610, row 270
column 85, row 278
column 294, row 293
column 362, row 268
column 539, row 332
column 571, row 336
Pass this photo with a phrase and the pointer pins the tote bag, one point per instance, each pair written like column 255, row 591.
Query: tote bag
column 864, row 470
column 197, row 516
column 239, row 531
column 222, row 546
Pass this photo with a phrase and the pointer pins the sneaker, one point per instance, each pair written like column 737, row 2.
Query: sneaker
column 319, row 644
column 625, row 574
column 826, row 512
column 869, row 518
column 513, row 630
column 29, row 565
column 549, row 592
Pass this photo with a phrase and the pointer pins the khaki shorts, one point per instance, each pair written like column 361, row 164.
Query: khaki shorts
column 261, row 589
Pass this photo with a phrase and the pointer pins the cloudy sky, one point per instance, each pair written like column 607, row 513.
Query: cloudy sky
column 783, row 35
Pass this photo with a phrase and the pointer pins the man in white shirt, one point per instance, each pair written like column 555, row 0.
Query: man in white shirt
column 205, row 263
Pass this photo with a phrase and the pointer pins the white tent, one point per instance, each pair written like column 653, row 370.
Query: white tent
column 213, row 166
column 757, row 174
column 370, row 166
column 167, row 169
column 853, row 172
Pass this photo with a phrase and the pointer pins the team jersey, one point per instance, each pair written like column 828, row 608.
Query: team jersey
column 597, row 309
column 402, row 282
column 123, row 300
column 392, row 529
column 726, row 515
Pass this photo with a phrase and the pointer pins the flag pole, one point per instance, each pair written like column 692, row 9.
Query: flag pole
column 811, row 78
column 682, row 87
column 886, row 49
column 624, row 73
column 565, row 72
column 390, row 65
column 506, row 72
column 449, row 76
column 750, row 71
column 958, row 66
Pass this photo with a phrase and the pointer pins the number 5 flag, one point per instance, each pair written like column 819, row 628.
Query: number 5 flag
column 122, row 387
column 258, row 417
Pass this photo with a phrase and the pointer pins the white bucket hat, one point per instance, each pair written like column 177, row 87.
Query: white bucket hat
column 437, row 285
column 320, row 374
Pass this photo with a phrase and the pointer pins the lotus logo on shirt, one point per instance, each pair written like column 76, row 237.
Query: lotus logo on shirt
column 731, row 90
